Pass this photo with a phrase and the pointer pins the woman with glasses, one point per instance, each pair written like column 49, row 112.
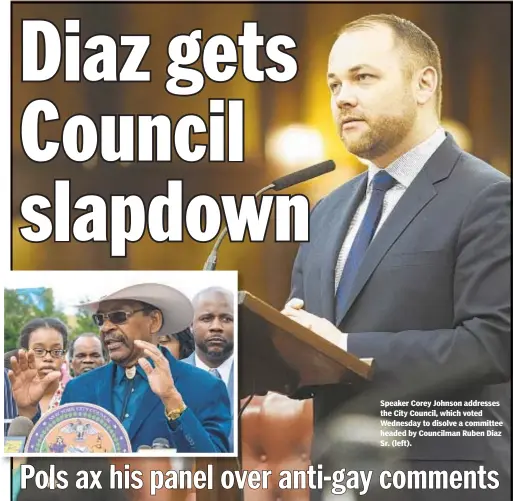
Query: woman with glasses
column 47, row 338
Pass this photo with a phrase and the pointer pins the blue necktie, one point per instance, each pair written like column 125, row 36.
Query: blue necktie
column 215, row 373
column 381, row 183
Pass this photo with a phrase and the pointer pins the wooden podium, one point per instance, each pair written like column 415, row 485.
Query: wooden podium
column 277, row 354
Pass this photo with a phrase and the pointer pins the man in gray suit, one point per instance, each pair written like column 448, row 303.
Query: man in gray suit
column 212, row 328
column 409, row 264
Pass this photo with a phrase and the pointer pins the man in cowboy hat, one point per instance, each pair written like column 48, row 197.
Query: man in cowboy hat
column 145, row 387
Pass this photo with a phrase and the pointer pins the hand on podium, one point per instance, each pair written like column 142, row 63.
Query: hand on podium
column 322, row 327
column 299, row 355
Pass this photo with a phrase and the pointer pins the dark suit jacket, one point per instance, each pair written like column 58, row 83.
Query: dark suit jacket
column 431, row 302
column 10, row 409
column 204, row 426
column 191, row 360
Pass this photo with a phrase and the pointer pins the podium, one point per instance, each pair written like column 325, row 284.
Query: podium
column 277, row 354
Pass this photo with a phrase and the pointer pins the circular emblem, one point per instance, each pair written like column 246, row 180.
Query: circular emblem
column 78, row 428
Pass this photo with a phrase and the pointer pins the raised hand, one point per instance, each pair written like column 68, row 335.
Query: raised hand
column 27, row 387
column 160, row 378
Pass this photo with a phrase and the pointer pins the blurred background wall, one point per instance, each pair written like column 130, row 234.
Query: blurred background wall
column 474, row 41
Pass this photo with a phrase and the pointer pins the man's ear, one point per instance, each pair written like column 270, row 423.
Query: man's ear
column 157, row 321
column 426, row 84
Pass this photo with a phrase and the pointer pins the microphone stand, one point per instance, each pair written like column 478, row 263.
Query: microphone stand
column 211, row 263
column 277, row 185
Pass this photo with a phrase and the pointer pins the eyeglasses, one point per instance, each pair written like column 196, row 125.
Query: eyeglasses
column 115, row 317
column 40, row 353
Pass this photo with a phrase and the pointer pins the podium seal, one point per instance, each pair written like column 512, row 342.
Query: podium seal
column 78, row 428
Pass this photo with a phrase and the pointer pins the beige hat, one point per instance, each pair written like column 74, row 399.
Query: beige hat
column 176, row 308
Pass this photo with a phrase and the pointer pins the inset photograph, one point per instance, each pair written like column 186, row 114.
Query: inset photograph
column 120, row 362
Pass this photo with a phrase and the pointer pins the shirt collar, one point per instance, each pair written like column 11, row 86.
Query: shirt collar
column 120, row 371
column 224, row 369
column 405, row 168
column 120, row 374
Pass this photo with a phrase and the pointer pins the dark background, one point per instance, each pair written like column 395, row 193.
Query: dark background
column 474, row 41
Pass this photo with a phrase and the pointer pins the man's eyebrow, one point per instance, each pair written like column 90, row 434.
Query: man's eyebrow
column 355, row 69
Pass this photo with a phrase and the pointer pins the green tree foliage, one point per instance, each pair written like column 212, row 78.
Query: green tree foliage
column 84, row 323
column 23, row 305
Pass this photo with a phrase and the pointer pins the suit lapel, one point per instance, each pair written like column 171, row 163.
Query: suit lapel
column 411, row 203
column 150, row 399
column 149, row 402
column 105, row 388
column 337, row 222
column 415, row 198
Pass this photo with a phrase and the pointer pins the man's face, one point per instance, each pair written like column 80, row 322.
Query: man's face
column 87, row 355
column 213, row 326
column 369, row 84
column 119, row 338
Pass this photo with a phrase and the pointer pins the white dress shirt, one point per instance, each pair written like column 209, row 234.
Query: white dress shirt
column 404, row 170
column 224, row 369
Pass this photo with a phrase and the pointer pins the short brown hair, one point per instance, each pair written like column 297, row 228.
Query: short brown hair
column 418, row 43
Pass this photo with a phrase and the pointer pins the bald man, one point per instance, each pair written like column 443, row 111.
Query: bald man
column 213, row 332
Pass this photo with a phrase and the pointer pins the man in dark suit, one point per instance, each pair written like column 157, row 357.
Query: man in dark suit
column 409, row 263
column 146, row 388
column 212, row 328
column 10, row 410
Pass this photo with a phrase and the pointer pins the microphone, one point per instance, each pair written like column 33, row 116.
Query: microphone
column 143, row 448
column 279, row 184
column 17, row 434
column 20, row 427
column 160, row 443
column 303, row 175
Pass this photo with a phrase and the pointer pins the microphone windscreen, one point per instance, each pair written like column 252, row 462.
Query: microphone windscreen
column 160, row 443
column 20, row 427
column 303, row 175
